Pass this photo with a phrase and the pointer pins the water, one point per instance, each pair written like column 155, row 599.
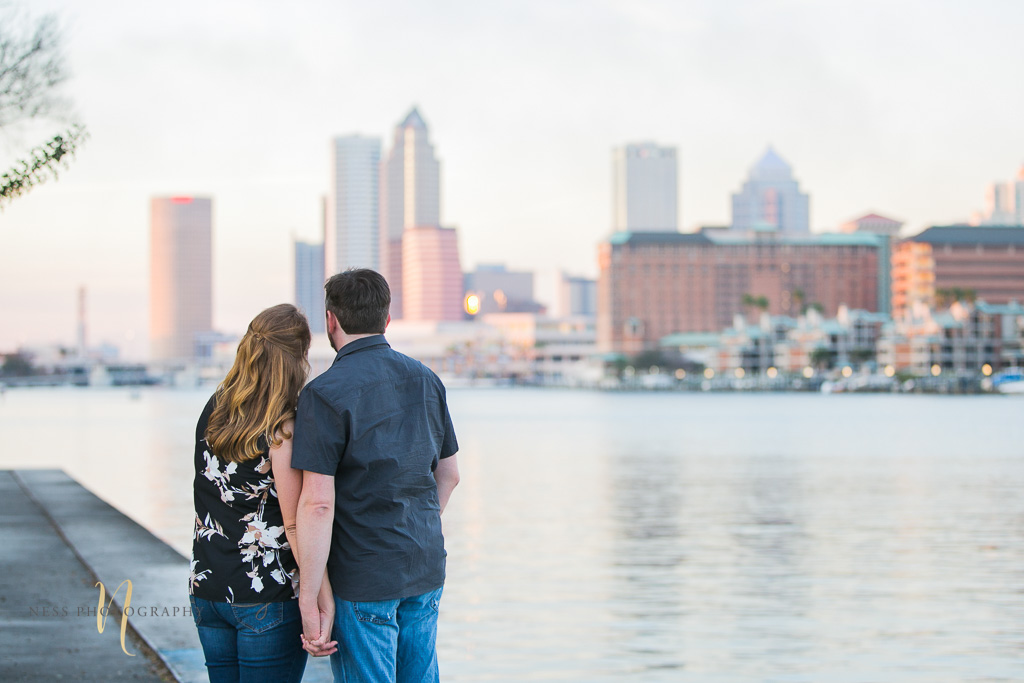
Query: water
column 665, row 537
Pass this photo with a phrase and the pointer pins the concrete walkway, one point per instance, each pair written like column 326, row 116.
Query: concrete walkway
column 64, row 540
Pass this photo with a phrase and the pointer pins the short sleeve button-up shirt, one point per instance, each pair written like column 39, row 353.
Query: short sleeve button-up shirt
column 378, row 422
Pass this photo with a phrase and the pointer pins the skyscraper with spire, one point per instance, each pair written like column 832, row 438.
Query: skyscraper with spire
column 410, row 197
column 771, row 199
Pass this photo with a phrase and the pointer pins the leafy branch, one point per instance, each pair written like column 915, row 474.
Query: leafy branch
column 43, row 162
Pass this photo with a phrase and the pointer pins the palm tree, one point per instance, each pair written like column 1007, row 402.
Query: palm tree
column 799, row 297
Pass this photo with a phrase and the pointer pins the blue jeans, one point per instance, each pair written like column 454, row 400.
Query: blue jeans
column 390, row 641
column 251, row 643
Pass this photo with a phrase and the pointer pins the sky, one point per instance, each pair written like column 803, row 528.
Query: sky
column 904, row 107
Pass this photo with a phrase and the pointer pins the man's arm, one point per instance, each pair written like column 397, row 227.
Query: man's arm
column 314, row 524
column 446, row 474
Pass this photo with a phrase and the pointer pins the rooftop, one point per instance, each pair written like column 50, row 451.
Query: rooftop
column 963, row 234
column 413, row 120
column 740, row 239
column 771, row 167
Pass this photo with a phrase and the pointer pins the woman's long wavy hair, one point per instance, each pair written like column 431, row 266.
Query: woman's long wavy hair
column 262, row 388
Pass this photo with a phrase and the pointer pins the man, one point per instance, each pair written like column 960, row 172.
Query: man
column 375, row 440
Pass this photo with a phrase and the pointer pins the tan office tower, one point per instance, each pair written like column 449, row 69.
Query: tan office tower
column 410, row 197
column 431, row 274
column 180, row 275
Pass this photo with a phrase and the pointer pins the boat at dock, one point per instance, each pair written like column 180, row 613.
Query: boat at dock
column 1009, row 381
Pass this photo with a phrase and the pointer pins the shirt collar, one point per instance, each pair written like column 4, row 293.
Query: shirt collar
column 360, row 344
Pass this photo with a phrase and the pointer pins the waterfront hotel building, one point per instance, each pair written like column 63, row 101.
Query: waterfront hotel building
column 984, row 263
column 652, row 285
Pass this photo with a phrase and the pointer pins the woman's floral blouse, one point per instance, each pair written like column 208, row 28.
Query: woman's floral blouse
column 239, row 550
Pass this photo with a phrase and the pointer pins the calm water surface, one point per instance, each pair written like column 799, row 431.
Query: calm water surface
column 665, row 537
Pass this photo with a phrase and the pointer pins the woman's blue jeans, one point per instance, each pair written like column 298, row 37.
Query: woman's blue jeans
column 251, row 643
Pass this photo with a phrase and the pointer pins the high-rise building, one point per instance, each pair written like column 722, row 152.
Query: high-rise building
column 180, row 275
column 580, row 296
column 309, row 284
column 771, row 199
column 351, row 233
column 645, row 188
column 410, row 197
column 999, row 204
column 431, row 275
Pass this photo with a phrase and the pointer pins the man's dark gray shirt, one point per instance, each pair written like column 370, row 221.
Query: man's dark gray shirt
column 378, row 422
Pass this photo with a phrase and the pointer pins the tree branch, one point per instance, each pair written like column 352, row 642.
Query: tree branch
column 43, row 162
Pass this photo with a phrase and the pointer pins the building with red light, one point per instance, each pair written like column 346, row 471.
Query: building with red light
column 180, row 275
column 652, row 285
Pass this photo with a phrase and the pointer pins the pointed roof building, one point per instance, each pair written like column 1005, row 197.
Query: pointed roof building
column 874, row 223
column 771, row 200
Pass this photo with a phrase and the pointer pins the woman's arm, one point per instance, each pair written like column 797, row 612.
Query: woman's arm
column 288, row 482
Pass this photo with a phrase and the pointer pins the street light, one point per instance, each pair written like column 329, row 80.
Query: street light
column 772, row 373
column 808, row 372
column 986, row 370
column 936, row 370
column 472, row 304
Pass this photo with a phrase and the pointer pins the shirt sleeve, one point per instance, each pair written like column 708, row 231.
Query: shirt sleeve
column 449, row 445
column 321, row 435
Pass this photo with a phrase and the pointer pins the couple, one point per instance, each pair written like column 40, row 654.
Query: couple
column 344, row 479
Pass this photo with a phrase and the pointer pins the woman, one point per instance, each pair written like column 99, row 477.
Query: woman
column 244, row 577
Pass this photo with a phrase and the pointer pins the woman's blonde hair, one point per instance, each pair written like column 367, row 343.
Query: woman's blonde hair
column 261, row 389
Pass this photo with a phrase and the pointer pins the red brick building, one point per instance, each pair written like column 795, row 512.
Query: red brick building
column 655, row 284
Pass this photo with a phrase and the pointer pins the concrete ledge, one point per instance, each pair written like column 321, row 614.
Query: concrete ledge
column 115, row 548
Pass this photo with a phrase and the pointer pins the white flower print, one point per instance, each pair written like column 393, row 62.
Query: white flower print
column 257, row 582
column 207, row 529
column 194, row 579
column 261, row 542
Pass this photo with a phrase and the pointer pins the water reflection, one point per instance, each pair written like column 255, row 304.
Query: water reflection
column 664, row 537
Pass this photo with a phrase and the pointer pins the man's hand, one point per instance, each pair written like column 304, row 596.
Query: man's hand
column 314, row 519
column 317, row 621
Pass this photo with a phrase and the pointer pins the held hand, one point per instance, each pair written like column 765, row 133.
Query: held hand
column 321, row 645
column 310, row 620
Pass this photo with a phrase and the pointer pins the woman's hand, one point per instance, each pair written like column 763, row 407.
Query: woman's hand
column 320, row 645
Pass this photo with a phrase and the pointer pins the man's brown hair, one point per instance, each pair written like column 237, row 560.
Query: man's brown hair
column 360, row 299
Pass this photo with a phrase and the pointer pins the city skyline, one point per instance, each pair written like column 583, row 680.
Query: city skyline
column 879, row 116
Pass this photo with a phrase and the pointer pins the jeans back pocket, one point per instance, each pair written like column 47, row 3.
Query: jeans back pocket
column 379, row 612
column 260, row 616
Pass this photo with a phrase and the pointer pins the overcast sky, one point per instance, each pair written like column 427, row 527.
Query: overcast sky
column 908, row 108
